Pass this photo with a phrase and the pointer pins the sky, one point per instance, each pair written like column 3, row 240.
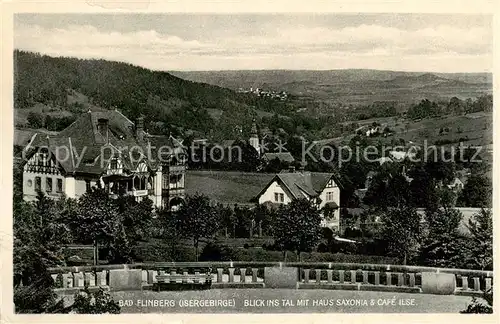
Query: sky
column 182, row 42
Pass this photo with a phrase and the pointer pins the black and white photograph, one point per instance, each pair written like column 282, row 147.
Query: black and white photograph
column 252, row 163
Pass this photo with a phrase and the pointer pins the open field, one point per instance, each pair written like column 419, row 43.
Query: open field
column 477, row 127
column 422, row 303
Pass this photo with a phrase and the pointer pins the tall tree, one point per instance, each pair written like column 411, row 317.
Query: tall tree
column 39, row 237
column 476, row 192
column 297, row 226
column 442, row 242
column 479, row 249
column 137, row 217
column 402, row 231
column 96, row 219
column 197, row 219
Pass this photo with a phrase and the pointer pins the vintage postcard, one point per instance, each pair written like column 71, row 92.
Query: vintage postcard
column 180, row 163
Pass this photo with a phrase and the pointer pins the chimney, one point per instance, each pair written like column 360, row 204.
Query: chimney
column 291, row 169
column 139, row 128
column 102, row 128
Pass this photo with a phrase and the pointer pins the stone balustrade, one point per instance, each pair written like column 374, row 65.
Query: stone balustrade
column 352, row 276
column 360, row 280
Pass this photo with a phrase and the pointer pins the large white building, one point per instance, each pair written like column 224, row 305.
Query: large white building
column 105, row 148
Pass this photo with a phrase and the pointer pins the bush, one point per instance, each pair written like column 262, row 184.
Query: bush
column 262, row 255
column 216, row 252
column 99, row 302
column 322, row 247
column 476, row 307
column 161, row 252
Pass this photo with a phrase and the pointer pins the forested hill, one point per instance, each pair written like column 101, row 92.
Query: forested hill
column 160, row 96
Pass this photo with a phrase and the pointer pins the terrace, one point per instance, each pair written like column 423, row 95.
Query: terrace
column 349, row 279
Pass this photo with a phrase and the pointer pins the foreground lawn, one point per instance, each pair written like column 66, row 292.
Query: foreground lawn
column 286, row 301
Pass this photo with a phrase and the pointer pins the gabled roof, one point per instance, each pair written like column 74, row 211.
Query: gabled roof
column 89, row 149
column 302, row 184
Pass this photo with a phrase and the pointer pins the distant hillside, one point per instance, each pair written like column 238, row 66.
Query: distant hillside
column 63, row 84
column 352, row 86
column 249, row 78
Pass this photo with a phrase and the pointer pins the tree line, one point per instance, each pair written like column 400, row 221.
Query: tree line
column 427, row 108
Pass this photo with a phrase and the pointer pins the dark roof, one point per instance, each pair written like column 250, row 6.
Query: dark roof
column 227, row 187
column 332, row 204
column 283, row 156
column 89, row 149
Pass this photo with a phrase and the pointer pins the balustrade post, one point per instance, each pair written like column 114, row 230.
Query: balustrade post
column 231, row 275
column 400, row 279
column 341, row 276
column 318, row 276
column 196, row 280
column 329, row 275
column 67, row 280
column 78, row 279
column 465, row 283
column 377, row 277
column 388, row 279
column 152, row 276
column 353, row 276
column 477, row 286
column 184, row 273
column 306, row 275
column 411, row 277
column 102, row 278
column 72, row 280
column 254, row 274
column 487, row 284
column 145, row 274
column 90, row 279
column 173, row 272
column 219, row 274
column 365, row 277
column 243, row 275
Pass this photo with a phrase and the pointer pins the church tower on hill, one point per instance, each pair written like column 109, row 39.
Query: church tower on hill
column 254, row 137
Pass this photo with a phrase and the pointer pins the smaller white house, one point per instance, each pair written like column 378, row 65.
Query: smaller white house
column 322, row 188
column 456, row 184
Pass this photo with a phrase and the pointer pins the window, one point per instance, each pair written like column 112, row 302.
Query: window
column 30, row 183
column 87, row 185
column 38, row 183
column 282, row 197
column 59, row 185
column 114, row 164
column 276, row 196
column 165, row 180
column 330, row 196
column 48, row 184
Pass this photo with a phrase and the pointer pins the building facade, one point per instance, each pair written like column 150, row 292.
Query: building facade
column 108, row 150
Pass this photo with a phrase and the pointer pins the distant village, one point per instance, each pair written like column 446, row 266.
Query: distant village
column 280, row 95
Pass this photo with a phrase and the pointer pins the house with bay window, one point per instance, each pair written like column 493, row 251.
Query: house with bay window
column 106, row 149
